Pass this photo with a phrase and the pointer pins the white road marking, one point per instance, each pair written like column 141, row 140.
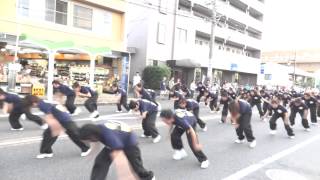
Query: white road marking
column 252, row 168
column 35, row 139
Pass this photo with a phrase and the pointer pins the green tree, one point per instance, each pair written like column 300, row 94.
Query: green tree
column 153, row 75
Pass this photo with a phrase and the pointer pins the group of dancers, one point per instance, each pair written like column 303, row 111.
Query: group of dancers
column 120, row 140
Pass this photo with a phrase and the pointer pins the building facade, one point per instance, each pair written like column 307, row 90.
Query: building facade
column 86, row 39
column 306, row 59
column 273, row 74
column 237, row 49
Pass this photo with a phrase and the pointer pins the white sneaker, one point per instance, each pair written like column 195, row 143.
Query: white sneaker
column 19, row 129
column 314, row 124
column 86, row 153
column 44, row 126
column 76, row 112
column 156, row 139
column 221, row 122
column 238, row 141
column 183, row 153
column 292, row 137
column 179, row 154
column 44, row 155
column 94, row 114
column 23, row 117
column 205, row 164
column 144, row 136
column 253, row 144
column 118, row 111
column 153, row 178
column 205, row 129
column 212, row 112
column 307, row 129
column 273, row 132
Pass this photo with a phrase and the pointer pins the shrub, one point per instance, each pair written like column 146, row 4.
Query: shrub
column 153, row 75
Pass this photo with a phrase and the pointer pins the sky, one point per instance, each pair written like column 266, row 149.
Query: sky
column 291, row 24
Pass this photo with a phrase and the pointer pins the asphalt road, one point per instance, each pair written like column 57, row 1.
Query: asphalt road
column 275, row 157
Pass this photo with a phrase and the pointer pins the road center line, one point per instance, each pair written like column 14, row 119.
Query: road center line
column 252, row 168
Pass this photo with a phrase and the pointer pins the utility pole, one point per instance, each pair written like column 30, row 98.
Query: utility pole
column 294, row 68
column 212, row 39
column 176, row 4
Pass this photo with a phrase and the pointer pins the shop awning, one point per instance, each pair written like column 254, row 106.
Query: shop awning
column 184, row 63
column 67, row 46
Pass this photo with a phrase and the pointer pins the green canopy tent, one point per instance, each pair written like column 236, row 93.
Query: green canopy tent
column 53, row 47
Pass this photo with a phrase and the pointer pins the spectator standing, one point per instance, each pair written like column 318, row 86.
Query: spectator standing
column 193, row 87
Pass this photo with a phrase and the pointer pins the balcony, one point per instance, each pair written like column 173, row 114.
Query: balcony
column 255, row 4
column 239, row 16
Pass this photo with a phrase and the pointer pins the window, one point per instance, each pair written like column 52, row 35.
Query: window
column 56, row 11
column 197, row 41
column 182, row 35
column 161, row 33
column 23, row 7
column 155, row 63
column 228, row 49
column 82, row 17
column 267, row 76
column 163, row 8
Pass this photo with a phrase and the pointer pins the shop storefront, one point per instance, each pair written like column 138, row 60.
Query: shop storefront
column 69, row 66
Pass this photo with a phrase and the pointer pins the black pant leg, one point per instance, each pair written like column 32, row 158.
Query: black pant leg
column 176, row 104
column 273, row 122
column 304, row 121
column 151, row 124
column 124, row 103
column 72, row 131
column 145, row 127
column 201, row 123
column 288, row 128
column 199, row 154
column 264, row 107
column 318, row 110
column 260, row 109
column 199, row 97
column 47, row 141
column 134, row 157
column 90, row 104
column 313, row 114
column 176, row 140
column 101, row 165
column 34, row 118
column 245, row 124
column 70, row 104
column 292, row 117
column 14, row 117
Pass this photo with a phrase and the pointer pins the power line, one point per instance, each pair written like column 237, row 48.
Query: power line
column 156, row 7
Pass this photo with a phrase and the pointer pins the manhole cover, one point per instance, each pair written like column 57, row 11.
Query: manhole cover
column 278, row 174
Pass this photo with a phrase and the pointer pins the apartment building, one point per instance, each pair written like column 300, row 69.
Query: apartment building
column 86, row 39
column 237, row 48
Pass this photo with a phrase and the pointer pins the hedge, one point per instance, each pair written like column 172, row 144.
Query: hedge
column 153, row 75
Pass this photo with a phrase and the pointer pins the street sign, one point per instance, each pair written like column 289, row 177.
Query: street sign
column 233, row 67
column 262, row 69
